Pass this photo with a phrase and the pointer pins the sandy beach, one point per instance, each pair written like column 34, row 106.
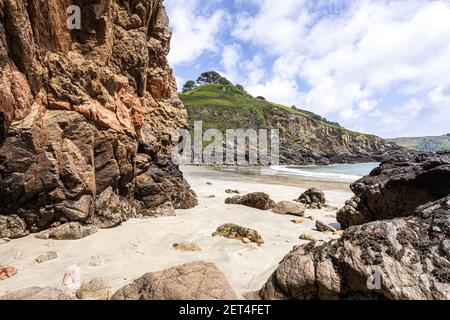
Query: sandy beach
column 140, row 246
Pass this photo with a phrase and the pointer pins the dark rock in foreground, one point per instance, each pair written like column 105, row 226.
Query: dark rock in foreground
column 403, row 181
column 192, row 281
column 257, row 200
column 408, row 255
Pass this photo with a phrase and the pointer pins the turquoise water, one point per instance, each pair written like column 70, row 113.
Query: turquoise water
column 335, row 172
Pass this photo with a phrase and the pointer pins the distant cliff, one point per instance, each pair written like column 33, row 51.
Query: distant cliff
column 305, row 138
column 429, row 144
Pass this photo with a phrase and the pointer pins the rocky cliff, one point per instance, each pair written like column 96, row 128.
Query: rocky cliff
column 86, row 114
column 305, row 138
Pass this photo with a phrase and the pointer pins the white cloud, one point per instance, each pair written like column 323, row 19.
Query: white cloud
column 230, row 60
column 278, row 90
column 353, row 64
column 193, row 32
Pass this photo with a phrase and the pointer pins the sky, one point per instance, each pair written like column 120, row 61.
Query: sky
column 375, row 66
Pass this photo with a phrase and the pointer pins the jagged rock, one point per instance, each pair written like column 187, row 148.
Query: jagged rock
column 402, row 182
column 233, row 231
column 72, row 278
column 323, row 227
column 404, row 254
column 185, row 246
column 165, row 210
column 191, row 281
column 47, row 256
column 313, row 198
column 12, row 227
column 95, row 289
column 86, row 116
column 297, row 221
column 288, row 207
column 230, row 191
column 257, row 200
column 96, row 261
column 67, row 231
column 36, row 293
column 7, row 271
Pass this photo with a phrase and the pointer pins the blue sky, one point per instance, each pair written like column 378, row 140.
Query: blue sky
column 375, row 66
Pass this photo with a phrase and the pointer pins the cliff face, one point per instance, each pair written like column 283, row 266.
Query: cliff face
column 86, row 115
column 305, row 138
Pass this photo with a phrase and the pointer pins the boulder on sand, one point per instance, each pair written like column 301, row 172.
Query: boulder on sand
column 257, row 200
column 186, row 246
column 47, row 256
column 7, row 271
column 313, row 198
column 233, row 231
column 192, row 281
column 288, row 207
column 323, row 227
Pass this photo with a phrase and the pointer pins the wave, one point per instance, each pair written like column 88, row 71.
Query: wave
column 329, row 176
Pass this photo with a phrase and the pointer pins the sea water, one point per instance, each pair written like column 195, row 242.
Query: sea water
column 334, row 172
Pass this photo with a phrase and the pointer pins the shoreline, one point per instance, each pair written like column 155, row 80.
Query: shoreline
column 140, row 246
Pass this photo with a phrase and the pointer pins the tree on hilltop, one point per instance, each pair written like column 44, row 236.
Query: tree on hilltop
column 212, row 77
column 189, row 86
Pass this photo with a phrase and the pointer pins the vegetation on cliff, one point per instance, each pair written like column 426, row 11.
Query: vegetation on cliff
column 305, row 137
column 433, row 144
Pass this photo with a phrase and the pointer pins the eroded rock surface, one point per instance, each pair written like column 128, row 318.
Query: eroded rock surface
column 407, row 253
column 288, row 207
column 86, row 116
column 192, row 281
column 257, row 200
column 403, row 181
column 67, row 231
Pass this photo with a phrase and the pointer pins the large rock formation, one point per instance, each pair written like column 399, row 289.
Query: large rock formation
column 36, row 293
column 86, row 115
column 409, row 256
column 402, row 182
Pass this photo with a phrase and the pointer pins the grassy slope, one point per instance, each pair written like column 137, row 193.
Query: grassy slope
column 424, row 143
column 226, row 100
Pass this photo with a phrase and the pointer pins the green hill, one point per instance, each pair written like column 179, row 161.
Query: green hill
column 434, row 144
column 305, row 138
